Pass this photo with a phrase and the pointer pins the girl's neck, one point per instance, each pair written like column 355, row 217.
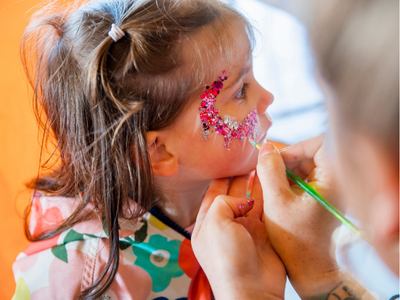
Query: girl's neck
column 182, row 199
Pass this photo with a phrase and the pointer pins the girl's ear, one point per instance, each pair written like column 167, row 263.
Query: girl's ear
column 163, row 162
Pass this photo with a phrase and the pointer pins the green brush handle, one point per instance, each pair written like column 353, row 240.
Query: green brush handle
column 333, row 210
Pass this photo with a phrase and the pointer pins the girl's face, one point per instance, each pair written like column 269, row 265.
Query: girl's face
column 240, row 96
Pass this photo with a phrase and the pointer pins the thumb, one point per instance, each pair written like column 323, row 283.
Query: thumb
column 272, row 173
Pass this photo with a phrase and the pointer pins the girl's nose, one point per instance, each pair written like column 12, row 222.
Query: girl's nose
column 265, row 100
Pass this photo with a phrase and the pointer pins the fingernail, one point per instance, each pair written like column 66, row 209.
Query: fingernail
column 249, row 202
column 246, row 206
column 266, row 148
column 283, row 151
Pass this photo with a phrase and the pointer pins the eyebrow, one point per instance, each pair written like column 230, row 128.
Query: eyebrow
column 241, row 73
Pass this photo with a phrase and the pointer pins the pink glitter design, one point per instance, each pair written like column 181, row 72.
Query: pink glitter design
column 249, row 203
column 227, row 126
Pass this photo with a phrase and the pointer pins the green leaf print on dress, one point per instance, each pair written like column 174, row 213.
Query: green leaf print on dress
column 60, row 252
column 159, row 258
column 73, row 236
column 140, row 236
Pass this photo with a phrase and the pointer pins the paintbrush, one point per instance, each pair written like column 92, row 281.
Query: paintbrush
column 308, row 189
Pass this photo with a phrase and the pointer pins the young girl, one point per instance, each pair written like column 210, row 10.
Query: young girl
column 148, row 102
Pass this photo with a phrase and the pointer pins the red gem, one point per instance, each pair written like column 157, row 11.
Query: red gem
column 219, row 85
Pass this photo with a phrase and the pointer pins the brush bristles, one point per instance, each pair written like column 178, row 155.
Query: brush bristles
column 255, row 144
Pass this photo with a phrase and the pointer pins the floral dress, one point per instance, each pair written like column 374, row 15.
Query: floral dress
column 156, row 262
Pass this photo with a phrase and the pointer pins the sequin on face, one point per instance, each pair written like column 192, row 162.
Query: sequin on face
column 226, row 125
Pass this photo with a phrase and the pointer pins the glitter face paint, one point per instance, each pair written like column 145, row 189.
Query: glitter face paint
column 226, row 125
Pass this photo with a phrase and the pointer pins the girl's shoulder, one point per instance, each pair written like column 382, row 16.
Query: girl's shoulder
column 62, row 266
column 48, row 212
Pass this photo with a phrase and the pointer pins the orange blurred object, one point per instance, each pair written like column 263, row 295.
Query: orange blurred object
column 19, row 150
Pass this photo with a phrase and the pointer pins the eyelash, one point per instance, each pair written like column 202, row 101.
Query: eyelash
column 242, row 92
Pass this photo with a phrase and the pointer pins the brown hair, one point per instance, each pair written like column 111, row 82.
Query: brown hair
column 100, row 97
column 357, row 48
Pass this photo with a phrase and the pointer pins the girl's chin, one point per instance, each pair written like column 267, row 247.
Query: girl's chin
column 246, row 170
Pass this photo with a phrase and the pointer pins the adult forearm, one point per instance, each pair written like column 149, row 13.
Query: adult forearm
column 335, row 286
column 245, row 295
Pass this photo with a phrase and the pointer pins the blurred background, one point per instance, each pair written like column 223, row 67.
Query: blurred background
column 19, row 150
column 283, row 64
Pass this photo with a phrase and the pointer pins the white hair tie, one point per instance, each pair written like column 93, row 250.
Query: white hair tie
column 116, row 33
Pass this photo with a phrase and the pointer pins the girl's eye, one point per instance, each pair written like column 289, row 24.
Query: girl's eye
column 242, row 93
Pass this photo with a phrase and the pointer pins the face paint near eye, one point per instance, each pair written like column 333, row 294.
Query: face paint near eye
column 227, row 126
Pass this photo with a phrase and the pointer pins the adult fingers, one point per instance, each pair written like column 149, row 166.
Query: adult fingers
column 228, row 208
column 272, row 173
column 256, row 193
column 301, row 157
column 216, row 188
column 239, row 186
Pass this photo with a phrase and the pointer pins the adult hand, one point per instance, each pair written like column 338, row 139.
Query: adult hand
column 298, row 227
column 235, row 252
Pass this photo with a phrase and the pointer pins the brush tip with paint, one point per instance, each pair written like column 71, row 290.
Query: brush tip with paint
column 255, row 144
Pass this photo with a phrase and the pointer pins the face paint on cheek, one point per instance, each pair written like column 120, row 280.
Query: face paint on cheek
column 226, row 125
